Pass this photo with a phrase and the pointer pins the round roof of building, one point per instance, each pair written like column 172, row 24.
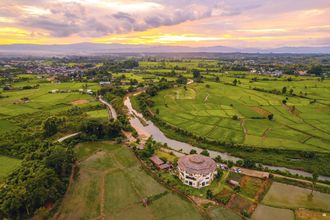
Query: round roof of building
column 197, row 164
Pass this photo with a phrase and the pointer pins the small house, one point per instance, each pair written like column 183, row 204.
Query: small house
column 159, row 163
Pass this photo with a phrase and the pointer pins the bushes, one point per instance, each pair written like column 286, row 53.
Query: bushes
column 41, row 179
column 100, row 128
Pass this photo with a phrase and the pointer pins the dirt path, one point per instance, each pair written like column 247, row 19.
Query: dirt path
column 242, row 123
column 207, row 96
column 301, row 180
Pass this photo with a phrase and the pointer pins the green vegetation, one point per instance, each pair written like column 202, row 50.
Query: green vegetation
column 7, row 165
column 111, row 172
column 208, row 112
column 271, row 213
column 287, row 196
column 103, row 113
column 223, row 213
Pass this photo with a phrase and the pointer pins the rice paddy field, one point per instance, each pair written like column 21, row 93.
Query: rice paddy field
column 111, row 185
column 223, row 214
column 208, row 111
column 288, row 196
column 41, row 100
column 271, row 213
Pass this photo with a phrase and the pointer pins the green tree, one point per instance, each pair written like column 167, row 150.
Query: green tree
column 196, row 73
column 209, row 194
column 284, row 89
column 50, row 125
column 205, row 153
column 235, row 82
column 270, row 117
column 315, row 69
column 193, row 151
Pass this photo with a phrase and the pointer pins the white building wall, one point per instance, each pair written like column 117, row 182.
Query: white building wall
column 196, row 180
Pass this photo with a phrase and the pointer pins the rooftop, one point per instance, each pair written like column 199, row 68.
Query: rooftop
column 197, row 164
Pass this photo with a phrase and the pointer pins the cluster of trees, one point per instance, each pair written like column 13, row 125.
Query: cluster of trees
column 99, row 129
column 26, row 87
column 153, row 89
column 41, row 179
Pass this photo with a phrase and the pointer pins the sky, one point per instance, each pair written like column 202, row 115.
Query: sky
column 195, row 23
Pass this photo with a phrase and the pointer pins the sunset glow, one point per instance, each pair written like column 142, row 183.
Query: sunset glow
column 238, row 23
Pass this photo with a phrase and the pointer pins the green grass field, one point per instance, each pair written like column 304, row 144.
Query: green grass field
column 7, row 165
column 41, row 99
column 208, row 112
column 102, row 113
column 288, row 196
column 112, row 184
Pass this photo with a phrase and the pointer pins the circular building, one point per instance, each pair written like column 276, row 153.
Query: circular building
column 196, row 170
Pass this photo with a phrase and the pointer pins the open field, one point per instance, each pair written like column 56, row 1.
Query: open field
column 7, row 164
column 304, row 214
column 288, row 196
column 223, row 214
column 102, row 113
column 263, row 212
column 250, row 186
column 208, row 112
column 41, row 100
column 111, row 184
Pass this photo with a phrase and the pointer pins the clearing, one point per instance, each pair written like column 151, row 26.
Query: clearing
column 111, row 185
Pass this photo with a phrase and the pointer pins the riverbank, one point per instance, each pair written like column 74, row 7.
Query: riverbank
column 164, row 136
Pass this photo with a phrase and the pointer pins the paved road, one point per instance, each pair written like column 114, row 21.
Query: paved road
column 111, row 109
column 67, row 137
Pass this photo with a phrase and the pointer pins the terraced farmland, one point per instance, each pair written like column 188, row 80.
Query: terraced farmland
column 239, row 114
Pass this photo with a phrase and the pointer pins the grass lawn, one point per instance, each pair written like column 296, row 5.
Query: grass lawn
column 111, row 183
column 102, row 113
column 288, row 196
column 6, row 125
column 7, row 165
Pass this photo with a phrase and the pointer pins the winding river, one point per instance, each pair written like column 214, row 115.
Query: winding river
column 150, row 129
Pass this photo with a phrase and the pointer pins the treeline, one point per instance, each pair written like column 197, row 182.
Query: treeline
column 41, row 179
column 9, row 88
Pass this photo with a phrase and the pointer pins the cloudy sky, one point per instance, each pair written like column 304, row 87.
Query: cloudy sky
column 236, row 23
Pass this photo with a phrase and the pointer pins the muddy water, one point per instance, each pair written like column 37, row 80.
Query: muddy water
column 152, row 130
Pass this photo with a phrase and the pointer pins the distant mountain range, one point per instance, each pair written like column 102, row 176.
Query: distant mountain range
column 97, row 49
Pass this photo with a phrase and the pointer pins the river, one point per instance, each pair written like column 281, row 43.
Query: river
column 152, row 130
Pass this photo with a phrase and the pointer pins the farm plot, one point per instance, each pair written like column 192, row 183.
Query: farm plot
column 263, row 212
column 40, row 99
column 224, row 214
column 112, row 185
column 288, row 196
column 212, row 112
